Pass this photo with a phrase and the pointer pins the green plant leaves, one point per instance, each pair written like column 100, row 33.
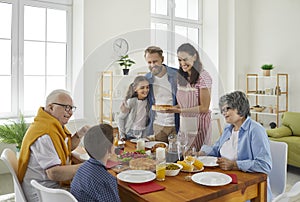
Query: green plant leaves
column 14, row 132
column 267, row 67
column 125, row 61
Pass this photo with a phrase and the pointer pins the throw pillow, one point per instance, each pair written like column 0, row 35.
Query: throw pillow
column 282, row 131
column 292, row 120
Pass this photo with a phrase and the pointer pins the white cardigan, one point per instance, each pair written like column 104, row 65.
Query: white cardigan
column 125, row 120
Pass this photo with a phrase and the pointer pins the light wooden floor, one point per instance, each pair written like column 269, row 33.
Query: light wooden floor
column 6, row 184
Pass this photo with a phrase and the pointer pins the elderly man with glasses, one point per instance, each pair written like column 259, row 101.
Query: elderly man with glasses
column 45, row 154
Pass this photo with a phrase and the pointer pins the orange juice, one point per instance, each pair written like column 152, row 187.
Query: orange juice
column 161, row 172
column 116, row 139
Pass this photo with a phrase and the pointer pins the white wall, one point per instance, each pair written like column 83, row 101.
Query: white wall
column 104, row 21
column 226, row 45
column 211, row 45
column 275, row 31
column 254, row 32
column 107, row 19
column 78, row 55
column 242, row 42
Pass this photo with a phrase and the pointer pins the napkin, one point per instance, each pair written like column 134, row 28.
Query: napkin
column 234, row 178
column 147, row 187
column 110, row 164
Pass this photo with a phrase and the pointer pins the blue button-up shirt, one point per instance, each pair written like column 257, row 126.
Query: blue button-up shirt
column 253, row 149
column 92, row 182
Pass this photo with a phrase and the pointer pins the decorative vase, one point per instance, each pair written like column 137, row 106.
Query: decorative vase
column 266, row 72
column 125, row 71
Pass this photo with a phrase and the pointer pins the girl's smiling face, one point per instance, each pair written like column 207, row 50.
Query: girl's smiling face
column 142, row 89
column 186, row 61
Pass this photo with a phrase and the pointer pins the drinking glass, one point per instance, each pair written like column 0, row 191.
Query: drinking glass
column 138, row 134
column 190, row 156
column 172, row 143
column 182, row 141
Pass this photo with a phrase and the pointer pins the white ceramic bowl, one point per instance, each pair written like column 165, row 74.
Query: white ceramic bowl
column 173, row 172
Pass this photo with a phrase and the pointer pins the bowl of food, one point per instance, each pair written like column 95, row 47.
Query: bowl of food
column 155, row 146
column 172, row 169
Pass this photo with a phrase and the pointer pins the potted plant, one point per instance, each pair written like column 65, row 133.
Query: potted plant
column 125, row 62
column 266, row 69
column 14, row 132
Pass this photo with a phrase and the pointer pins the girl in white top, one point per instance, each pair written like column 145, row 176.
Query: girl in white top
column 134, row 116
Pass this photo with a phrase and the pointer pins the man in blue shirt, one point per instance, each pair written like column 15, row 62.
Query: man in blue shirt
column 162, row 91
column 92, row 182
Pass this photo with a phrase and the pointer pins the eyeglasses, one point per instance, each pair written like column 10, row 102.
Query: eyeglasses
column 225, row 109
column 68, row 108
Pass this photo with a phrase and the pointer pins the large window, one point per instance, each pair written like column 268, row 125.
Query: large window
column 34, row 53
column 174, row 22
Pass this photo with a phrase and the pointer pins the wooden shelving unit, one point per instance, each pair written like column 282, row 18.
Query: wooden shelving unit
column 112, row 92
column 256, row 87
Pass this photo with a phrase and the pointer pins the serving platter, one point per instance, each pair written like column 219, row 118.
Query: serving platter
column 194, row 171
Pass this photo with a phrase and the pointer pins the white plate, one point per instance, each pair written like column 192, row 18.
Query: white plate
column 208, row 161
column 194, row 171
column 135, row 140
column 150, row 144
column 211, row 178
column 136, row 176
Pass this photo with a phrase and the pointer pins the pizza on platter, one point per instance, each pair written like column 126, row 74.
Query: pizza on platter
column 142, row 164
column 161, row 107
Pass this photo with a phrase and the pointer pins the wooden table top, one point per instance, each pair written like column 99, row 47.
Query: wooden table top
column 250, row 185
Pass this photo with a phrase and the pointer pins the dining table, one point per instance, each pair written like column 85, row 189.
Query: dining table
column 249, row 186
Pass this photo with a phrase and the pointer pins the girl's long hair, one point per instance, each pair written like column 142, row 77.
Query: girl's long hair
column 196, row 69
column 131, row 89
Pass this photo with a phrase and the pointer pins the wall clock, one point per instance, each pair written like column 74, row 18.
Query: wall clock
column 120, row 46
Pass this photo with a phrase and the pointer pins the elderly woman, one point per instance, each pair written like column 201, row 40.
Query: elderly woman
column 244, row 144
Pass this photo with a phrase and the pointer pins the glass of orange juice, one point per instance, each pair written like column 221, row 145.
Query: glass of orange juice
column 116, row 140
column 161, row 171
column 160, row 164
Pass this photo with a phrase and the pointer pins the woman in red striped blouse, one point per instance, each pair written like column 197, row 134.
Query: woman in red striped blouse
column 193, row 97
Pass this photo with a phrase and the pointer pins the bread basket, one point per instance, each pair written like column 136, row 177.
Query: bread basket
column 258, row 108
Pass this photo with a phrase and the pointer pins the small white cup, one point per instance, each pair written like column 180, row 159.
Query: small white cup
column 140, row 144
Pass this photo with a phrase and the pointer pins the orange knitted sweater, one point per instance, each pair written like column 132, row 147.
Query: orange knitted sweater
column 44, row 123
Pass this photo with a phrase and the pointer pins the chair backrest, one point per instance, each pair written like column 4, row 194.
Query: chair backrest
column 285, row 197
column 50, row 195
column 9, row 158
column 278, row 173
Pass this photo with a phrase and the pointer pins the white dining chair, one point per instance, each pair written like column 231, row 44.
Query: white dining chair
column 50, row 195
column 285, row 197
column 278, row 173
column 9, row 158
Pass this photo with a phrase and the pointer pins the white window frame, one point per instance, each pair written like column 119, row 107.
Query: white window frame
column 17, row 73
column 172, row 21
